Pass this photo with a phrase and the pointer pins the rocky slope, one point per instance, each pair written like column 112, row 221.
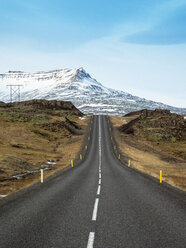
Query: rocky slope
column 76, row 85
column 156, row 125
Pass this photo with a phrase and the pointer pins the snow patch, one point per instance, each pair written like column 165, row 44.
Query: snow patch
column 25, row 174
column 3, row 196
column 51, row 163
column 82, row 118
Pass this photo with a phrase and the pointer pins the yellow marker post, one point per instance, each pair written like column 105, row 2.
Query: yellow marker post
column 72, row 164
column 160, row 176
column 129, row 163
column 80, row 156
column 114, row 147
column 41, row 175
column 119, row 156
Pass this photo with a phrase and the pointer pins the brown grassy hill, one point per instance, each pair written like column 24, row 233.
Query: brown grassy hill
column 34, row 132
column 154, row 140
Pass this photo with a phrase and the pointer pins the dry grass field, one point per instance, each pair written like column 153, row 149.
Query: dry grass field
column 149, row 154
column 31, row 138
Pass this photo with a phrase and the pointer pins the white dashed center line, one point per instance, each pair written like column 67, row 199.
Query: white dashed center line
column 91, row 240
column 98, row 191
column 99, row 143
column 95, row 211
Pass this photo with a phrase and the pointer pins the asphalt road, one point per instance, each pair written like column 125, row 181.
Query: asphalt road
column 99, row 203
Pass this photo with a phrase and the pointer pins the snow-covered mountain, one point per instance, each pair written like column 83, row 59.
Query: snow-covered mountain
column 75, row 85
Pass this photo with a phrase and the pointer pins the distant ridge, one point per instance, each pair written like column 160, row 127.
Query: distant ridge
column 77, row 86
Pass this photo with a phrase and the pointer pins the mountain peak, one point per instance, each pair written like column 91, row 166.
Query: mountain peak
column 80, row 73
column 81, row 69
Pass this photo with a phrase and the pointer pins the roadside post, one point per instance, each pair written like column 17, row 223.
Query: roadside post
column 129, row 163
column 72, row 164
column 160, row 176
column 41, row 175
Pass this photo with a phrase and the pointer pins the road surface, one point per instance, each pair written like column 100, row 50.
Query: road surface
column 99, row 203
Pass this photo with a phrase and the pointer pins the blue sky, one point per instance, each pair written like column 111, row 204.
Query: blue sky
column 136, row 46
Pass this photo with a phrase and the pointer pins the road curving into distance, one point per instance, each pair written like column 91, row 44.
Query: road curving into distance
column 100, row 203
